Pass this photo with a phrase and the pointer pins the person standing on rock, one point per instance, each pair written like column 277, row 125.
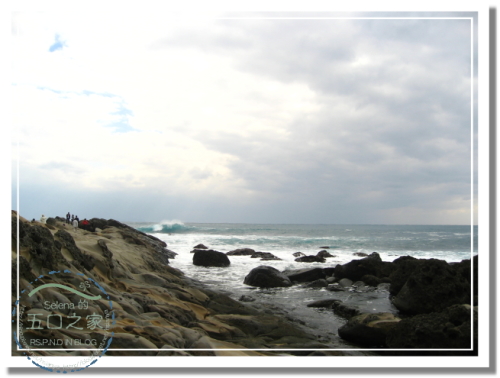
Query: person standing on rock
column 75, row 224
column 68, row 216
column 43, row 219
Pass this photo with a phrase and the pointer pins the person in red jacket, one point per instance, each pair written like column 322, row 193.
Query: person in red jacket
column 85, row 224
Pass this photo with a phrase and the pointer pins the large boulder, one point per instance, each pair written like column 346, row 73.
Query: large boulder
column 432, row 286
column 305, row 275
column 450, row 328
column 209, row 257
column 370, row 265
column 369, row 330
column 266, row 276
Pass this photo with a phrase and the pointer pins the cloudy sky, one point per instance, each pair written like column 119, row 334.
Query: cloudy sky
column 246, row 118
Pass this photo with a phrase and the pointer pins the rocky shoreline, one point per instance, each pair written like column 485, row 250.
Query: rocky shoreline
column 158, row 307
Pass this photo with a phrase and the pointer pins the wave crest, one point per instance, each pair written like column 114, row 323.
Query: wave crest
column 166, row 227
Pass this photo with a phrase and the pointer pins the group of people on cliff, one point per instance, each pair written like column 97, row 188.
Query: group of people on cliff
column 70, row 219
column 75, row 221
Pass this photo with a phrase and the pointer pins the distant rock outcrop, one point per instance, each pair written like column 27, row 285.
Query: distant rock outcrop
column 241, row 252
column 310, row 258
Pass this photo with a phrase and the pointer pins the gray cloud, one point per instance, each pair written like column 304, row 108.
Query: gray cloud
column 404, row 139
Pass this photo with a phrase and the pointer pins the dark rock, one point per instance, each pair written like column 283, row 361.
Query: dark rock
column 310, row 258
column 345, row 310
column 80, row 259
column 325, row 303
column 329, row 271
column 246, row 298
column 25, row 270
column 325, row 247
column 317, row 283
column 106, row 252
column 51, row 221
column 450, row 328
column 369, row 330
column 200, row 246
column 305, row 275
column 270, row 257
column 371, row 280
column 335, row 287
column 39, row 242
column 324, row 254
column 266, row 276
column 360, row 254
column 432, row 286
column 298, row 254
column 264, row 255
column 403, row 267
column 169, row 254
column 241, row 252
column 210, row 257
column 356, row 269
column 384, row 286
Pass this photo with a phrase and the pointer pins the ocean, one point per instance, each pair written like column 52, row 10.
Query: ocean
column 449, row 243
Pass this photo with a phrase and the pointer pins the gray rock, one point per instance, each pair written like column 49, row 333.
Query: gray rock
column 345, row 282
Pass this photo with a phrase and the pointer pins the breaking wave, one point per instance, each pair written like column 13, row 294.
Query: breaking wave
column 167, row 227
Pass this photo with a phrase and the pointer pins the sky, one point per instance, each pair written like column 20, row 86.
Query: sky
column 248, row 118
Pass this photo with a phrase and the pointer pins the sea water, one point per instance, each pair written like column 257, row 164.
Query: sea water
column 449, row 243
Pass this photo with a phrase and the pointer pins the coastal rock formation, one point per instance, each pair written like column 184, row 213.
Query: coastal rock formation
column 370, row 265
column 200, row 246
column 324, row 254
column 450, row 328
column 80, row 259
column 305, row 275
column 209, row 257
column 39, row 244
column 369, row 330
column 266, row 276
column 264, row 255
column 241, row 252
column 432, row 286
column 311, row 258
column 155, row 305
